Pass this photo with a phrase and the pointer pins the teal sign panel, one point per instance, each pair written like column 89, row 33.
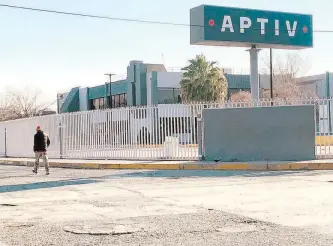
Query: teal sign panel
column 225, row 26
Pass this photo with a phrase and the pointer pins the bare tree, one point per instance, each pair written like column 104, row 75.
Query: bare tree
column 286, row 69
column 22, row 104
column 4, row 114
column 241, row 96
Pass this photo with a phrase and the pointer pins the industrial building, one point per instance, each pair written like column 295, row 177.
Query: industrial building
column 146, row 84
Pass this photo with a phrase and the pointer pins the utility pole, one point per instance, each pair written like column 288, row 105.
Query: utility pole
column 271, row 72
column 110, row 94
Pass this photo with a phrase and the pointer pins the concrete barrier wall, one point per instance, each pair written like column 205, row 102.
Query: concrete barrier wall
column 258, row 134
column 2, row 140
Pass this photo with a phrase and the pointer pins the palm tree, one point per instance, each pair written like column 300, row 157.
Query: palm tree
column 203, row 81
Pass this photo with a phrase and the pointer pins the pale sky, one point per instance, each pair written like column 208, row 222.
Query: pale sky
column 55, row 52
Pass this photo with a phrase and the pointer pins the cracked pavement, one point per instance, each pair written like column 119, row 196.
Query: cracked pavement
column 125, row 207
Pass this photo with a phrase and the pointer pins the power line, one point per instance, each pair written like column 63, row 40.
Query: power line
column 92, row 16
column 121, row 19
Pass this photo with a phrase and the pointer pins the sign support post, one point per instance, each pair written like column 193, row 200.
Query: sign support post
column 254, row 75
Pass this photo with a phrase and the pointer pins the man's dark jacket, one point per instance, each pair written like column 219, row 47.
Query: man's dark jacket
column 41, row 142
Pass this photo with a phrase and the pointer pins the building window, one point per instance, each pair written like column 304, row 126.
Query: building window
column 98, row 103
column 122, row 100
column 119, row 100
column 168, row 95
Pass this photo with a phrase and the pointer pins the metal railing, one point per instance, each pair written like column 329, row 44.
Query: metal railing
column 169, row 132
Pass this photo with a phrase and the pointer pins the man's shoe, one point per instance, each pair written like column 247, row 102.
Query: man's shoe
column 35, row 172
column 47, row 174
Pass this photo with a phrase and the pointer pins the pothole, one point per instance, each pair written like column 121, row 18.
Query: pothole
column 245, row 225
column 250, row 222
column 19, row 225
column 103, row 229
column 7, row 205
column 238, row 228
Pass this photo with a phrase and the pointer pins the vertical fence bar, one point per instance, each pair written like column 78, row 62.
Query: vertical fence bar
column 70, row 133
column 87, row 142
column 122, row 129
column 107, row 136
column 89, row 134
column 101, row 137
column 323, row 131
column 327, row 123
column 133, row 127
column 121, row 153
column 128, row 133
column 151, row 121
column 328, row 142
column 74, row 138
column 64, row 135
column 61, row 153
column 144, row 133
column 118, row 152
column 168, row 126
column 321, row 125
column 6, row 142
column 150, row 148
column 159, row 133
column 111, row 132
column 185, row 129
column 78, row 123
column 181, row 151
column 126, row 120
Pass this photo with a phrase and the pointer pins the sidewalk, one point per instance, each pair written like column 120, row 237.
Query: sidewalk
column 175, row 165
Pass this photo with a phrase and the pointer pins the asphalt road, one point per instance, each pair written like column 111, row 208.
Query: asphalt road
column 95, row 207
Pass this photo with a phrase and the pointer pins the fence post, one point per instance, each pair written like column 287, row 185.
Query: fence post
column 60, row 140
column 200, row 137
column 6, row 142
column 328, row 95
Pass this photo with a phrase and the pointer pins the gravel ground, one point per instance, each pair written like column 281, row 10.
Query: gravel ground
column 207, row 228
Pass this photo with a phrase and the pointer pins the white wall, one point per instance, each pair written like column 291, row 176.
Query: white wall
column 149, row 91
column 2, row 142
column 167, row 110
column 316, row 83
column 62, row 97
column 169, row 79
column 83, row 94
column 265, row 81
column 331, row 84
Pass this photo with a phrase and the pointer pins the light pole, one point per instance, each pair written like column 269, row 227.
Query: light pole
column 110, row 95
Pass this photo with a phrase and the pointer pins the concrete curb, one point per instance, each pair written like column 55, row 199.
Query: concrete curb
column 310, row 165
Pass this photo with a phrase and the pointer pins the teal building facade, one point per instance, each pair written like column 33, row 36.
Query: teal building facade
column 146, row 84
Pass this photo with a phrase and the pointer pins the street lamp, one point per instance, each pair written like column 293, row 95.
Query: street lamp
column 110, row 95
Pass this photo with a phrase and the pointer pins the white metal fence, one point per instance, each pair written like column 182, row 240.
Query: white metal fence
column 167, row 132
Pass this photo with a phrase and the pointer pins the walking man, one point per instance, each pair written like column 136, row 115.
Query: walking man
column 41, row 143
